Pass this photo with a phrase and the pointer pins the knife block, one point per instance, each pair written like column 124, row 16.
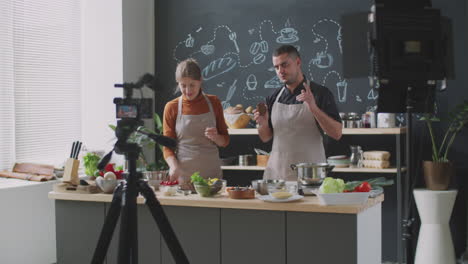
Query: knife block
column 70, row 174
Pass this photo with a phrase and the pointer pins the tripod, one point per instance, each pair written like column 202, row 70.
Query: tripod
column 124, row 203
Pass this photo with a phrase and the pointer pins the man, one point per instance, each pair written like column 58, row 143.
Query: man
column 298, row 113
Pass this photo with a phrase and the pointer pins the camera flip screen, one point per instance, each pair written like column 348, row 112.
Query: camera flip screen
column 127, row 111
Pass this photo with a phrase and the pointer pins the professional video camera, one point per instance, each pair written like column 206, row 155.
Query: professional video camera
column 131, row 111
column 136, row 108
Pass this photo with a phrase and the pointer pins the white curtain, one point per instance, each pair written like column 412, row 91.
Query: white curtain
column 40, row 80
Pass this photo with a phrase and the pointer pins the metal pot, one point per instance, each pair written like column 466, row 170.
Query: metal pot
column 311, row 173
column 261, row 186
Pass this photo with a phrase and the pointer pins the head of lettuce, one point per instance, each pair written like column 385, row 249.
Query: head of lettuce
column 331, row 185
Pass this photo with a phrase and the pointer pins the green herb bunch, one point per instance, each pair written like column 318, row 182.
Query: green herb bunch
column 145, row 142
column 91, row 161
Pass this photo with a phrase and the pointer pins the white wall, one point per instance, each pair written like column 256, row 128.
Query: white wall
column 101, row 69
column 138, row 46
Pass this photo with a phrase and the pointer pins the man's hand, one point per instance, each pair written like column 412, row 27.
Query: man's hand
column 307, row 97
column 262, row 120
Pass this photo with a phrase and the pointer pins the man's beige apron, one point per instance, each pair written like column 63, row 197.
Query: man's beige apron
column 296, row 139
column 195, row 151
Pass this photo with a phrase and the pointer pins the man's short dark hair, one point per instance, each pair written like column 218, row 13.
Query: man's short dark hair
column 289, row 49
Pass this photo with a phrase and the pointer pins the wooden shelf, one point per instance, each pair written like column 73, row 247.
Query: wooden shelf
column 346, row 131
column 243, row 131
column 351, row 170
column 374, row 131
column 368, row 170
column 236, row 167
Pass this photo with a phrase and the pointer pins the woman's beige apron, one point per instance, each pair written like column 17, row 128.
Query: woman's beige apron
column 195, row 151
column 296, row 139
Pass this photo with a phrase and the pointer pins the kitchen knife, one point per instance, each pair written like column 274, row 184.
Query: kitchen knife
column 73, row 149
column 78, row 149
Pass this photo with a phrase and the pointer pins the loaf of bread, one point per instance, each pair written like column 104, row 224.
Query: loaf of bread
column 376, row 155
column 236, row 120
column 376, row 164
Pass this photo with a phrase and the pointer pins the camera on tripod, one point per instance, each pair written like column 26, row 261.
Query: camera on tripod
column 130, row 111
column 128, row 108
column 134, row 108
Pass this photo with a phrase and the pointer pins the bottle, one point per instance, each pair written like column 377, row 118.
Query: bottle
column 356, row 156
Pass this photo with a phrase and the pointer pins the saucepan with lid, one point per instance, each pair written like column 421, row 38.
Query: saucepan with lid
column 311, row 173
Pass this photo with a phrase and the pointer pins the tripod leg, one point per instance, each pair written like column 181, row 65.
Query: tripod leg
column 128, row 243
column 108, row 227
column 163, row 223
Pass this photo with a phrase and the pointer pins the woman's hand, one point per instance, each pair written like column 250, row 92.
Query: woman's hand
column 211, row 133
column 175, row 172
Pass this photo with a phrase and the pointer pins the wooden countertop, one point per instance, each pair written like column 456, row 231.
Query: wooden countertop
column 307, row 204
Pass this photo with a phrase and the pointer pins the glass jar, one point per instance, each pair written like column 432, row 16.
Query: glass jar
column 356, row 156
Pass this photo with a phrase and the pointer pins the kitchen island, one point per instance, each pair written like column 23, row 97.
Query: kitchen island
column 223, row 230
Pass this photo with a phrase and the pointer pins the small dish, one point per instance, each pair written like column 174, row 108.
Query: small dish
column 268, row 198
column 240, row 193
column 168, row 190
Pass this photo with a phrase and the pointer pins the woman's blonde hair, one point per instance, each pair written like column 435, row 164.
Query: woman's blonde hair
column 188, row 68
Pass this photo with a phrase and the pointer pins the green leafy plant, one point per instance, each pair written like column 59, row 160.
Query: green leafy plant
column 90, row 161
column 457, row 120
column 197, row 179
column 146, row 143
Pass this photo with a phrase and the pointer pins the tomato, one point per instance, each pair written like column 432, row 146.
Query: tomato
column 109, row 167
column 363, row 187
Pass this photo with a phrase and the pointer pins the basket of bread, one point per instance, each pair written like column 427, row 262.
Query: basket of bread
column 237, row 117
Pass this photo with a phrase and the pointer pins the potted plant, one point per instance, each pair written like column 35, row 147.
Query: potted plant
column 152, row 169
column 439, row 171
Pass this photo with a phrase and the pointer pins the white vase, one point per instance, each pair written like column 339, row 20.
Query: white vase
column 435, row 244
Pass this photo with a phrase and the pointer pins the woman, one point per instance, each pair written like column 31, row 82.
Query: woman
column 196, row 120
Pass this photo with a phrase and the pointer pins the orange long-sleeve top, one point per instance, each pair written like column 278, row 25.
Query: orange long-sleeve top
column 196, row 106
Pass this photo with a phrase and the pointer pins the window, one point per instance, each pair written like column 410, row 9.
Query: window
column 40, row 68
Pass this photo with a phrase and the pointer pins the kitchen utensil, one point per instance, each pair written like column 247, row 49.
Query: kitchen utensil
column 268, row 198
column 353, row 120
column 107, row 186
column 311, row 173
column 261, row 152
column 339, row 163
column 246, row 160
column 356, row 156
column 70, row 173
column 77, row 150
column 343, row 117
column 73, row 148
column 240, row 193
column 261, row 186
column 385, row 120
column 228, row 161
column 262, row 160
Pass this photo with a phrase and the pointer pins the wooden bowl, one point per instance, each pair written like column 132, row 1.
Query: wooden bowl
column 241, row 193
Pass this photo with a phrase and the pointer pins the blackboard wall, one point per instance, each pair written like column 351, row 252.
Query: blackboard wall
column 233, row 42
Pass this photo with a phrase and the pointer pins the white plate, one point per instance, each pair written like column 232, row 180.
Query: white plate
column 268, row 198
